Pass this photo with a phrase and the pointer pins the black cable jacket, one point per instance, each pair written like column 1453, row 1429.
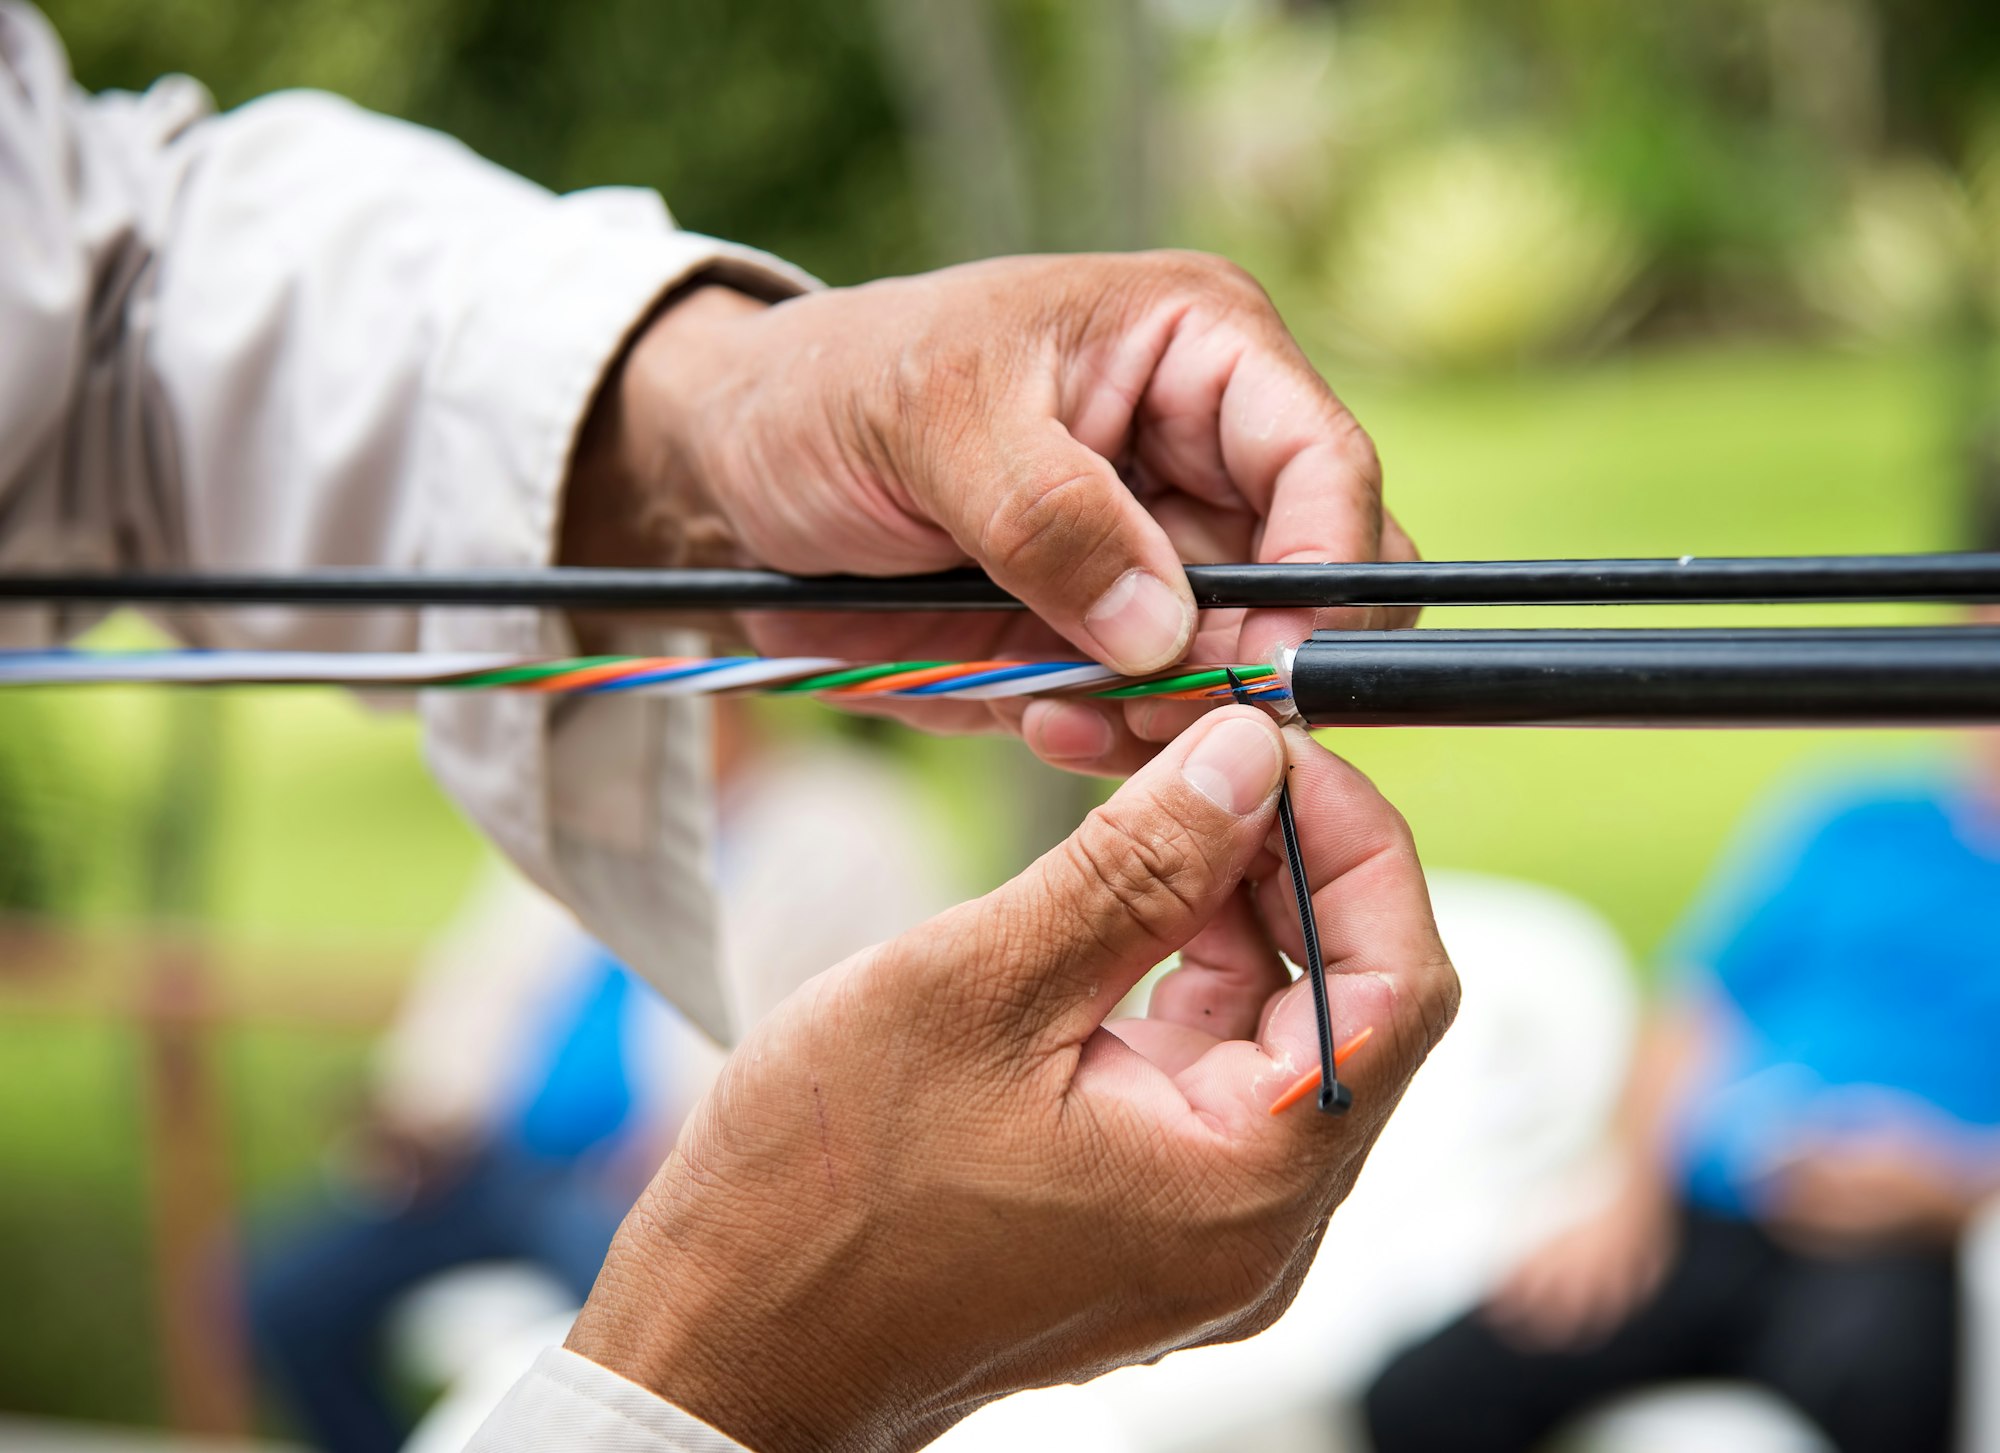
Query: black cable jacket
column 1473, row 582
column 1800, row 678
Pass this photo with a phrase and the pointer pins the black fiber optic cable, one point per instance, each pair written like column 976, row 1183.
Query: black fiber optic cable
column 1811, row 677
column 1965, row 578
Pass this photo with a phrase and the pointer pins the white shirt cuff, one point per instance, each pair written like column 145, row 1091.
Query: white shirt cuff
column 569, row 1402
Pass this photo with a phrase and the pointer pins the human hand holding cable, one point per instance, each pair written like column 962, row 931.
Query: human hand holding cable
column 935, row 1175
column 1078, row 426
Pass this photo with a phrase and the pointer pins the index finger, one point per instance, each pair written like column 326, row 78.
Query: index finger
column 1235, row 410
column 1235, row 415
column 1305, row 461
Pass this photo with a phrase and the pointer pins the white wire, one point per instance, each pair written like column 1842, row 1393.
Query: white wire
column 1033, row 685
column 737, row 678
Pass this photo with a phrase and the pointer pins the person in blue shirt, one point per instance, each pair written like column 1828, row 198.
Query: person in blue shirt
column 1811, row 1122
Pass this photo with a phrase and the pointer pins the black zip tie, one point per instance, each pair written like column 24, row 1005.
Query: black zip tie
column 1334, row 1097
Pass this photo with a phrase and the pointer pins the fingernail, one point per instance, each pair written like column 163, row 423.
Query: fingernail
column 1139, row 624
column 1235, row 765
column 1071, row 732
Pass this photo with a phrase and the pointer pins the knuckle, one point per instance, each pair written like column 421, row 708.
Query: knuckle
column 1356, row 450
column 1438, row 993
column 1149, row 870
column 1402, row 840
column 1048, row 525
column 1429, row 1006
column 1213, row 273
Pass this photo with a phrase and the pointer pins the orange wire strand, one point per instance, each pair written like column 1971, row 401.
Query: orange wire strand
column 1309, row 1081
column 591, row 675
column 924, row 676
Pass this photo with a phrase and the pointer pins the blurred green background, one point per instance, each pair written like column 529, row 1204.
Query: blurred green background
column 1719, row 277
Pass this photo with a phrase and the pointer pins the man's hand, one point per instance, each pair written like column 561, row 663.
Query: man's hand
column 1077, row 426
column 934, row 1175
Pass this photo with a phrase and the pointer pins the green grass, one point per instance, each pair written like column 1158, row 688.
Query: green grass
column 72, row 1234
column 326, row 833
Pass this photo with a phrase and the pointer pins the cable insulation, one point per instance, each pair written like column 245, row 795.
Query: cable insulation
column 1687, row 579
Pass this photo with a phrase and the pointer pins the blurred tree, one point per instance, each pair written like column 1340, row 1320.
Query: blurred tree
column 957, row 90
column 1941, row 72
column 770, row 123
column 1726, row 139
column 860, row 140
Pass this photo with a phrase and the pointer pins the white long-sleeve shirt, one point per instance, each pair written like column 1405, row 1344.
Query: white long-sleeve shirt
column 301, row 335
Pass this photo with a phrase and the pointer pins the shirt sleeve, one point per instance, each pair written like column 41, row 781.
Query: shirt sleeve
column 566, row 1401
column 301, row 335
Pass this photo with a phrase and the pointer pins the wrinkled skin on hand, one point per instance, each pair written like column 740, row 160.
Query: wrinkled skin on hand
column 1077, row 426
column 935, row 1175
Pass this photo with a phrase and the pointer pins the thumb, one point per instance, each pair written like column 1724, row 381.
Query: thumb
column 1141, row 876
column 1052, row 522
